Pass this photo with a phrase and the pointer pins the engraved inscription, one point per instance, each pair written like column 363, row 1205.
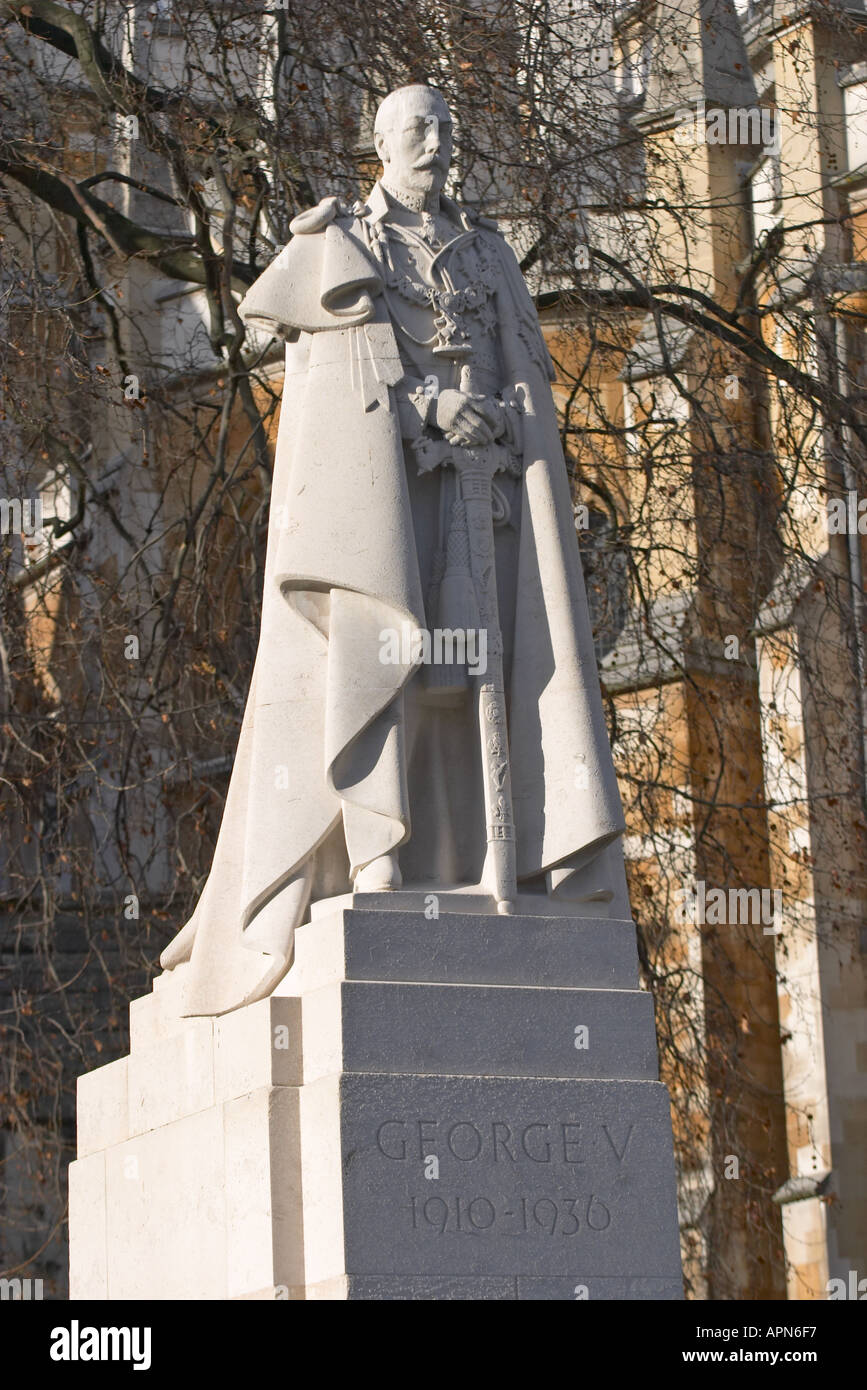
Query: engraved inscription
column 407, row 1138
column 514, row 1150
column 514, row 1215
column 504, row 1177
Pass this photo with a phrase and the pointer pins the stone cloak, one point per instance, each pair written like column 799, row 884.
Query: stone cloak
column 341, row 567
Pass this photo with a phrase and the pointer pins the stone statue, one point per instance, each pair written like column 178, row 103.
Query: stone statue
column 425, row 711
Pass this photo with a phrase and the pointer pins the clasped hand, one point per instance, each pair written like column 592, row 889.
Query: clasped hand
column 470, row 421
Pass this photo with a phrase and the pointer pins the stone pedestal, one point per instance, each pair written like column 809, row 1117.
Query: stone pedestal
column 458, row 1108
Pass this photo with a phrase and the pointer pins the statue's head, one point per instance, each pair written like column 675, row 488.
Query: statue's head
column 413, row 138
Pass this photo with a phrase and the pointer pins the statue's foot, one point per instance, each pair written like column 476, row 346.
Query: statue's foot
column 379, row 876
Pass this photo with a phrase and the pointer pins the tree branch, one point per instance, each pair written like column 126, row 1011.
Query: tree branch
column 175, row 256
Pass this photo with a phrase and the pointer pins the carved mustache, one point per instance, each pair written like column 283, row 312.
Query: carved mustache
column 428, row 161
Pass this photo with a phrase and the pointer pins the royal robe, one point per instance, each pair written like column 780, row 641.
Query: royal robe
column 324, row 735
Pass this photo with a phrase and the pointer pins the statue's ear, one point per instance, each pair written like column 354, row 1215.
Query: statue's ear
column 380, row 144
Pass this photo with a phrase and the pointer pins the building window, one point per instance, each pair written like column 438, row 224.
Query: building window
column 605, row 561
column 766, row 195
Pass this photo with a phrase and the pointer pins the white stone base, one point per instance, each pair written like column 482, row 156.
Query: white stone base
column 408, row 1117
column 187, row 1183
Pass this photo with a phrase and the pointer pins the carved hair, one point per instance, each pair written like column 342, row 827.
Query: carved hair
column 387, row 109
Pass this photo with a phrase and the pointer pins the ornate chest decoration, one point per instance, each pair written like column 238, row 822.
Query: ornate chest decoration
column 463, row 258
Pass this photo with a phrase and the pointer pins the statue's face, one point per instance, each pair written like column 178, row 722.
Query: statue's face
column 416, row 149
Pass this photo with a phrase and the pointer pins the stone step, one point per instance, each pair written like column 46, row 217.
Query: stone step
column 354, row 944
column 478, row 1030
column 187, row 1069
column 579, row 1287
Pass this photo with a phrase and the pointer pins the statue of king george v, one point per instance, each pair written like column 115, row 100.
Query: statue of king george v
column 419, row 489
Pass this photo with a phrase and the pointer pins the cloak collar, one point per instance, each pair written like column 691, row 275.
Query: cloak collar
column 377, row 207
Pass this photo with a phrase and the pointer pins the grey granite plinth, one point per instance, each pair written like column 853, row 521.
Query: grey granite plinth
column 453, row 1177
column 481, row 1030
column 481, row 1116
column 466, row 949
column 379, row 1288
